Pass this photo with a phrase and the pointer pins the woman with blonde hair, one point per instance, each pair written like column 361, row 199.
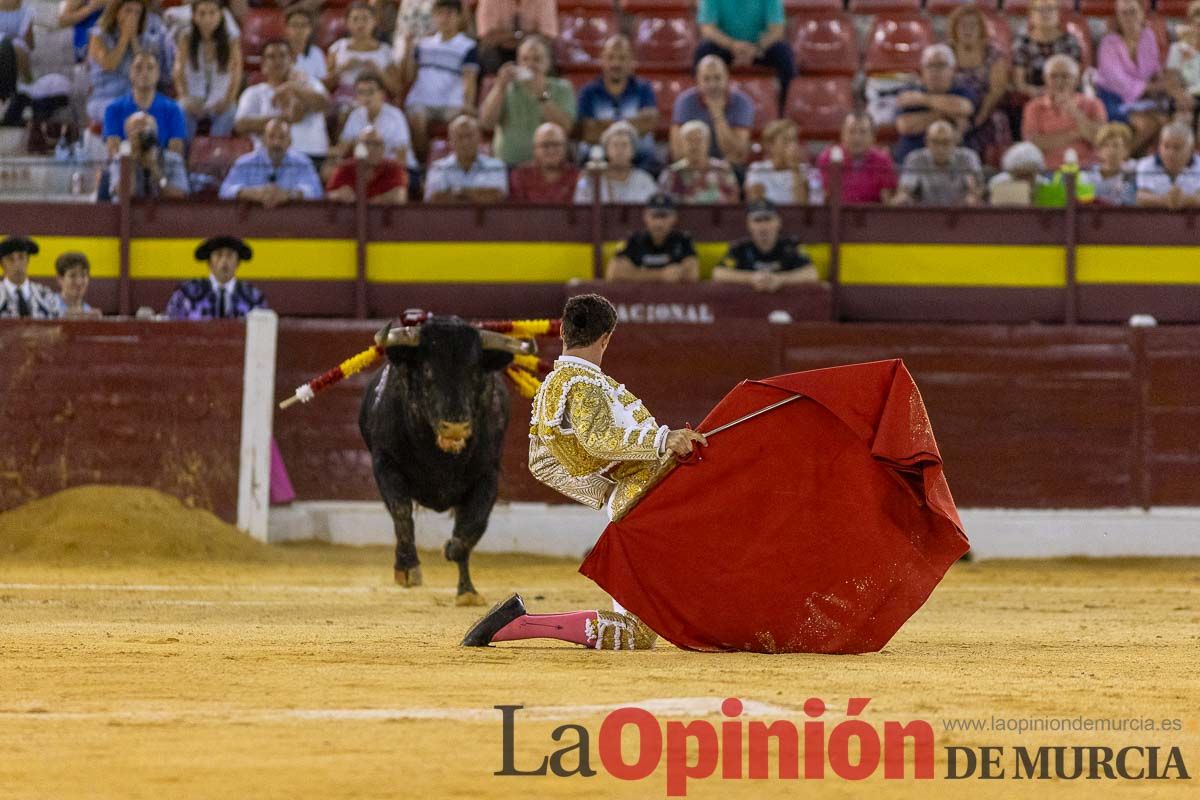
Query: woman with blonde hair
column 1112, row 176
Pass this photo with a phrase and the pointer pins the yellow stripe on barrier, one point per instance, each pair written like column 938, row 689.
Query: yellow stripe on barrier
column 274, row 259
column 103, row 253
column 478, row 262
column 1140, row 265
column 953, row 265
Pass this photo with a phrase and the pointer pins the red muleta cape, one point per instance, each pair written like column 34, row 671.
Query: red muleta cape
column 818, row 527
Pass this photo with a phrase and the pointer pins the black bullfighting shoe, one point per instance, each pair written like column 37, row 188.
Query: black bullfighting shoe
column 489, row 624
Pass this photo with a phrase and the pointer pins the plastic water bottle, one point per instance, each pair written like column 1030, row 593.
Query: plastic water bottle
column 77, row 183
column 62, row 150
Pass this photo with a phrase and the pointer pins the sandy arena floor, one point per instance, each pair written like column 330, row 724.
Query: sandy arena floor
column 314, row 677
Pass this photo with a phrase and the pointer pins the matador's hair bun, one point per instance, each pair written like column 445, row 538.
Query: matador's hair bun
column 585, row 319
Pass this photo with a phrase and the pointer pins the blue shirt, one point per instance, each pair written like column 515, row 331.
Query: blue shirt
column 745, row 20
column 910, row 144
column 739, row 112
column 166, row 113
column 596, row 103
column 295, row 172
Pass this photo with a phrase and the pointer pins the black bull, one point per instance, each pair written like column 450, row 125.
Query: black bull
column 434, row 419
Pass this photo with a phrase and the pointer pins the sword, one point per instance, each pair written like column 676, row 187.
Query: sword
column 744, row 418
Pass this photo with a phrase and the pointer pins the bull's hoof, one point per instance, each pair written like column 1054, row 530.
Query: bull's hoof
column 470, row 599
column 408, row 577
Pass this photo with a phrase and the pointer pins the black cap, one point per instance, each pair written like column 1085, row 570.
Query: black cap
column 762, row 206
column 660, row 202
column 210, row 246
column 18, row 244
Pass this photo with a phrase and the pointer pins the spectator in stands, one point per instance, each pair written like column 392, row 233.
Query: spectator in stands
column 153, row 171
column 444, row 71
column 782, row 177
column 1062, row 118
column 941, row 173
column 412, row 21
column 1184, row 58
column 310, row 59
column 503, row 25
column 221, row 295
column 19, row 296
column 81, row 16
column 74, row 274
column 550, row 177
column 1111, row 178
column 523, row 97
column 1129, row 76
column 16, row 25
column 144, row 96
column 386, row 183
column 745, row 32
column 208, row 71
column 1044, row 37
column 729, row 113
column 620, row 181
column 126, row 28
column 935, row 98
column 1023, row 166
column 658, row 254
column 466, row 175
column 274, row 173
column 697, row 177
column 983, row 71
column 374, row 111
column 618, row 95
column 288, row 94
column 1171, row 177
column 765, row 261
column 358, row 52
column 868, row 174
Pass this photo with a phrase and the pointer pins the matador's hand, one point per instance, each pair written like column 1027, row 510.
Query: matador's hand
column 681, row 442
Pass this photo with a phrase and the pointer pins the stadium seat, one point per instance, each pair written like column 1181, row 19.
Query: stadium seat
column 764, row 91
column 581, row 35
column 999, row 31
column 793, row 7
column 883, row 6
column 895, row 42
column 941, row 8
column 259, row 26
column 1171, row 8
column 210, row 157
column 1098, row 8
column 819, row 105
column 1020, row 8
column 665, row 42
column 667, row 87
column 825, row 43
column 330, row 27
column 1077, row 25
column 656, row 6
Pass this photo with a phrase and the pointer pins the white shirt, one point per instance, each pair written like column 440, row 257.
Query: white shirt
column 635, row 189
column 341, row 53
column 778, row 183
column 312, row 63
column 440, row 68
column 446, row 175
column 308, row 135
column 13, row 290
column 392, row 126
column 1151, row 177
column 228, row 287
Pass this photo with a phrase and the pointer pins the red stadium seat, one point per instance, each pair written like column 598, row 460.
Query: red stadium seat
column 1097, row 8
column 883, row 6
column 1171, row 8
column 1020, row 8
column 212, row 156
column 792, row 7
column 819, row 105
column 1077, row 25
column 665, row 42
column 588, row 5
column 764, row 91
column 940, row 8
column 581, row 36
column 330, row 27
column 259, row 26
column 895, row 42
column 999, row 32
column 667, row 87
column 656, row 6
column 825, row 43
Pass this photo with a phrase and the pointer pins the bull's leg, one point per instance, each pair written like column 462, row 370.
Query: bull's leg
column 396, row 497
column 470, row 521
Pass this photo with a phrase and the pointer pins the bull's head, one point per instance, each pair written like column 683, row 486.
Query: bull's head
column 448, row 363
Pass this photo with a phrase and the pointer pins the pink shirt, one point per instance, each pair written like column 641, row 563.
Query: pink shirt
column 1041, row 117
column 864, row 179
column 1118, row 73
column 539, row 16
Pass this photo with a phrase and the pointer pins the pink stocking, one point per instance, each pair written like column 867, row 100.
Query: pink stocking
column 567, row 627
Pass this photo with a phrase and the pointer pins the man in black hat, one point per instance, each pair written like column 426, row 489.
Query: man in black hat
column 221, row 295
column 765, row 260
column 658, row 254
column 19, row 296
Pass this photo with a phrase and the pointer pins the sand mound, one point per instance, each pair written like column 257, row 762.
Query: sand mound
column 118, row 523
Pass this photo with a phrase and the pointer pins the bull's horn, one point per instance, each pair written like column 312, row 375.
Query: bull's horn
column 404, row 336
column 498, row 341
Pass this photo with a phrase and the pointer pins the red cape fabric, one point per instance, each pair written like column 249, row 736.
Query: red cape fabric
column 819, row 527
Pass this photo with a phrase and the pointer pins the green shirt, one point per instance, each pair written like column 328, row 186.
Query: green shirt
column 745, row 20
column 520, row 116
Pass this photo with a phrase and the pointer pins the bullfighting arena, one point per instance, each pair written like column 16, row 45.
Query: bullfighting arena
column 157, row 652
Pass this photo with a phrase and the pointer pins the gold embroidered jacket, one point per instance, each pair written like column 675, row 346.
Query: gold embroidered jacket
column 592, row 440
